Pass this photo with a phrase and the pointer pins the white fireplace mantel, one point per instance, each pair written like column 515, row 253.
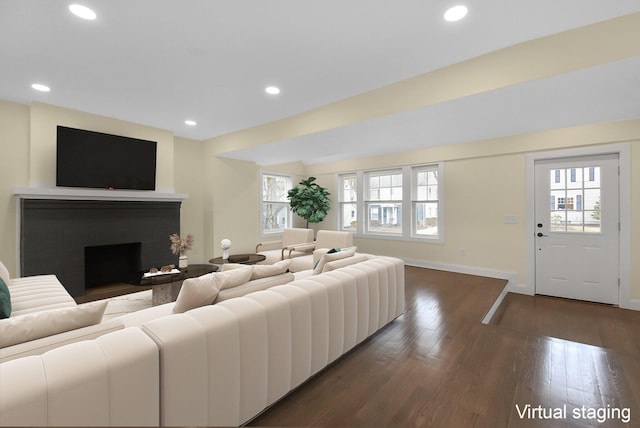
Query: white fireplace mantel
column 82, row 194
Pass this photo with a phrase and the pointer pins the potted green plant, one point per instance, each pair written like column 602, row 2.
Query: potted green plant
column 310, row 201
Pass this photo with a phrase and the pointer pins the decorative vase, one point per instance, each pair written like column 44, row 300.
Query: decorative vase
column 183, row 262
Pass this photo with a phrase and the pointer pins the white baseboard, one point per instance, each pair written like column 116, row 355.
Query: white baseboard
column 511, row 277
column 633, row 304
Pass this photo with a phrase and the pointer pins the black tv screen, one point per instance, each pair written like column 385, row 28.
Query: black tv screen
column 104, row 161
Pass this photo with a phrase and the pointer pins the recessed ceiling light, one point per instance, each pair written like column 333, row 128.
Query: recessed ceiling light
column 272, row 90
column 82, row 11
column 455, row 13
column 40, row 87
column 190, row 122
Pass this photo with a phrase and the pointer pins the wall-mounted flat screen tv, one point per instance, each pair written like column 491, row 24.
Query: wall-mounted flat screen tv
column 104, row 161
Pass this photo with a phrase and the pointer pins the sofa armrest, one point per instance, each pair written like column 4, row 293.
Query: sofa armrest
column 40, row 346
column 38, row 293
column 306, row 247
column 267, row 243
column 112, row 380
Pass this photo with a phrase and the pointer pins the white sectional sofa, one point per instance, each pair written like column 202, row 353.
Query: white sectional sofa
column 44, row 316
column 214, row 365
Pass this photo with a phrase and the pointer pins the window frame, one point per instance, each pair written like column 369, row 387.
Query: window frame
column 368, row 201
column 343, row 201
column 408, row 201
column 415, row 200
column 261, row 219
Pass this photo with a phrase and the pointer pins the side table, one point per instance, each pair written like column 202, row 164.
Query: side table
column 165, row 288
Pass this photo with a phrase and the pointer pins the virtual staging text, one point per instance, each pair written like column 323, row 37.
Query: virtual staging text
column 585, row 413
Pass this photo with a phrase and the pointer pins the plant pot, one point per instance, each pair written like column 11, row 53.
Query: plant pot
column 183, row 262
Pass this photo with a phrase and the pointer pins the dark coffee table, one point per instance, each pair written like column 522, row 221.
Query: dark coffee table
column 245, row 259
column 165, row 287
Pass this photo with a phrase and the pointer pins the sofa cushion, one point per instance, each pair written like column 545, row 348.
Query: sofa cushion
column 4, row 274
column 32, row 294
column 264, row 271
column 137, row 318
column 5, row 300
column 337, row 264
column 234, row 277
column 261, row 271
column 44, row 344
column 196, row 292
column 23, row 328
column 331, row 256
column 254, row 285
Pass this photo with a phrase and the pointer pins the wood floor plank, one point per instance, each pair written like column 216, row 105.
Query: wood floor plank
column 438, row 366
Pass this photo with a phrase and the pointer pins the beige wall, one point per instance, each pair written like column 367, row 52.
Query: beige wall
column 484, row 181
column 231, row 200
column 14, row 172
column 235, row 216
column 478, row 193
column 45, row 118
column 224, row 193
column 28, row 142
column 188, row 171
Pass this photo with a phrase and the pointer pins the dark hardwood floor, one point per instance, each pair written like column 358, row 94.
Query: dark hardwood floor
column 438, row 366
column 590, row 323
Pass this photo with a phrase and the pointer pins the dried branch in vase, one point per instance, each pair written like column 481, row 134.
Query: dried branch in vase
column 179, row 245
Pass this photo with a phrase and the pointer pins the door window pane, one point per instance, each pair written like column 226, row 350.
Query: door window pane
column 575, row 200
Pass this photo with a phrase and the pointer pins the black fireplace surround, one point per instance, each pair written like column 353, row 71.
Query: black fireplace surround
column 55, row 235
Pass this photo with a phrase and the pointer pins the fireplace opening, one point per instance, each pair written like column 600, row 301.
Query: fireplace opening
column 110, row 264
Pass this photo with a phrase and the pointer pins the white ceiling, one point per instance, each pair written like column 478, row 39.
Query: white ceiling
column 159, row 62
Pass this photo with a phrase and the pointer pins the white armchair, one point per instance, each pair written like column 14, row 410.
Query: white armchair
column 325, row 240
column 287, row 246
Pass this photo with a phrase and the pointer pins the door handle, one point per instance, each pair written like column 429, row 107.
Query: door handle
column 540, row 234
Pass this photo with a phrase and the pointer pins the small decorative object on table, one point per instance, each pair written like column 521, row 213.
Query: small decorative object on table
column 164, row 270
column 225, row 244
column 180, row 246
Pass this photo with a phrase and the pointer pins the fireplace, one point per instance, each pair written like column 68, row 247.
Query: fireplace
column 56, row 235
column 109, row 264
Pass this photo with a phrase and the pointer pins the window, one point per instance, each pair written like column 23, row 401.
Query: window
column 275, row 214
column 383, row 203
column 575, row 200
column 425, row 201
column 348, row 202
column 402, row 203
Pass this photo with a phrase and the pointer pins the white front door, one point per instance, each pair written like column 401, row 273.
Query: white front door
column 577, row 228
